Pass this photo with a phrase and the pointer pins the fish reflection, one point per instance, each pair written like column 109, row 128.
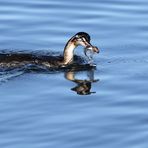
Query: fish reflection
column 83, row 86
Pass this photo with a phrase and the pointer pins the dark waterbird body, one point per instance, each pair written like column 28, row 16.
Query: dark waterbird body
column 12, row 59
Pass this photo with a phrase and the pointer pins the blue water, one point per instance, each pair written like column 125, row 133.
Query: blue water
column 39, row 110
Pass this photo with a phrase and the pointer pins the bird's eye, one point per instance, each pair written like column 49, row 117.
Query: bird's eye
column 79, row 39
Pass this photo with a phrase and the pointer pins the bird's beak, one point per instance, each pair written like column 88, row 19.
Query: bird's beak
column 93, row 48
column 87, row 45
column 90, row 47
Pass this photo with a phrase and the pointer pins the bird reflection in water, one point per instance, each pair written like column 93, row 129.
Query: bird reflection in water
column 83, row 86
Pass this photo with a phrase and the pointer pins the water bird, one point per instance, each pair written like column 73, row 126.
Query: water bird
column 20, row 59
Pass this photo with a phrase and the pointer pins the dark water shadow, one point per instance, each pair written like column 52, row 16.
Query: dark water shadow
column 83, row 85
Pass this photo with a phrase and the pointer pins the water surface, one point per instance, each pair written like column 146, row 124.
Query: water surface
column 41, row 110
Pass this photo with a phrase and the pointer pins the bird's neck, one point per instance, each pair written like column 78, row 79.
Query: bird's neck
column 69, row 52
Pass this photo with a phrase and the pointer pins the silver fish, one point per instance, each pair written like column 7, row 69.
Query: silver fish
column 89, row 54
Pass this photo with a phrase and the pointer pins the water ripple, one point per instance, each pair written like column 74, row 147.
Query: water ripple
column 41, row 109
